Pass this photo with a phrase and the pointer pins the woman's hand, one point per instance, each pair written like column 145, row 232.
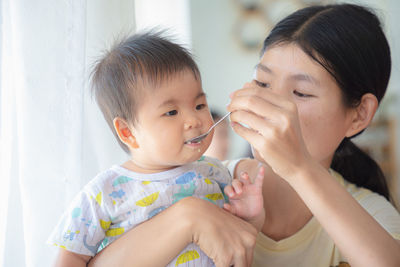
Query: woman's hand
column 225, row 238
column 273, row 128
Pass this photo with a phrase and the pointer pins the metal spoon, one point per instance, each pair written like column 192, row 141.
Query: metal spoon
column 202, row 136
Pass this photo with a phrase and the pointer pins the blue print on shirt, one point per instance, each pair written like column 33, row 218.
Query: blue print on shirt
column 185, row 178
column 117, row 194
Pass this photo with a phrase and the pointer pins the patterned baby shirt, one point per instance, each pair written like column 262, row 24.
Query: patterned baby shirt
column 118, row 199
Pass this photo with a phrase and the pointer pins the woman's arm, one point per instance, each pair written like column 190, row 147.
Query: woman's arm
column 225, row 238
column 67, row 258
column 280, row 144
column 357, row 234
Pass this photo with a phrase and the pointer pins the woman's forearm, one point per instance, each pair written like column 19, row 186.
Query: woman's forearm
column 356, row 233
column 153, row 243
column 225, row 238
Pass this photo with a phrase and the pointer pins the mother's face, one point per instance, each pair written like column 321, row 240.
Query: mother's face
column 324, row 120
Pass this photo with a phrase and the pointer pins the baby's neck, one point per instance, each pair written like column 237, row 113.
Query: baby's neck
column 141, row 168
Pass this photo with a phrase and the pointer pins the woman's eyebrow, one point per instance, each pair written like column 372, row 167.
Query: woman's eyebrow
column 294, row 77
column 263, row 68
column 304, row 77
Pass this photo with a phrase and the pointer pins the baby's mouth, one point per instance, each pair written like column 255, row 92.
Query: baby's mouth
column 192, row 142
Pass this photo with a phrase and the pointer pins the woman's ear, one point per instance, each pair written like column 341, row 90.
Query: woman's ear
column 363, row 115
column 124, row 133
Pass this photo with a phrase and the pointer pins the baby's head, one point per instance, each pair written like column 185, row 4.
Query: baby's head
column 149, row 90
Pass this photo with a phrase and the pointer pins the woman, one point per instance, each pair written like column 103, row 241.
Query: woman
column 322, row 73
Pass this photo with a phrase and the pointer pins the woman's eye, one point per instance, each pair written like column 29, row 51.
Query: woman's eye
column 301, row 94
column 201, row 106
column 171, row 113
column 263, row 85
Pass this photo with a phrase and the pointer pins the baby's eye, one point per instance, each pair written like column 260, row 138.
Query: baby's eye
column 262, row 84
column 171, row 113
column 201, row 106
column 299, row 94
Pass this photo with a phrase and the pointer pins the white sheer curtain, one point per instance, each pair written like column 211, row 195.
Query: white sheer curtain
column 53, row 138
column 173, row 15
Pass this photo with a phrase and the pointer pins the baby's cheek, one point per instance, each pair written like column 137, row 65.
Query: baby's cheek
column 207, row 141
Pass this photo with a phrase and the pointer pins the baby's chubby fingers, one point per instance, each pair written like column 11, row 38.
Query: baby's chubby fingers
column 260, row 177
column 237, row 186
column 245, row 178
column 235, row 189
column 229, row 191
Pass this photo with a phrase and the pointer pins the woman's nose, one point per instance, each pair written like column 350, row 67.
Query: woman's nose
column 192, row 121
column 281, row 88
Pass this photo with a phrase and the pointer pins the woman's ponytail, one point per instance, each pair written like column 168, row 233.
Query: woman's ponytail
column 359, row 168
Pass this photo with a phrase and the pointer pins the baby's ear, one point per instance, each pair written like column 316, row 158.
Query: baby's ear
column 363, row 115
column 124, row 133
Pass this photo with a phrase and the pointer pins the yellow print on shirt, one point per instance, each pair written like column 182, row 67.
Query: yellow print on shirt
column 208, row 181
column 98, row 198
column 115, row 231
column 187, row 256
column 105, row 224
column 215, row 196
column 147, row 201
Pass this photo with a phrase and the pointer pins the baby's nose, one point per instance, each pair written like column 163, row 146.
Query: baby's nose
column 192, row 122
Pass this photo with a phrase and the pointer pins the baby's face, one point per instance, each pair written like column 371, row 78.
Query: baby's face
column 168, row 116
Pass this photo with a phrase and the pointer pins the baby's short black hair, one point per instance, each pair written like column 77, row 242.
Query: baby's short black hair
column 146, row 58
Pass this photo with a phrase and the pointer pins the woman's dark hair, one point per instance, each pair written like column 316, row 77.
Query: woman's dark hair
column 348, row 41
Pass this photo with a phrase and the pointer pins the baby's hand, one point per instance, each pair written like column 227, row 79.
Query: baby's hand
column 245, row 197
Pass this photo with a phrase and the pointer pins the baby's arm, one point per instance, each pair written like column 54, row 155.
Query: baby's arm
column 67, row 258
column 246, row 199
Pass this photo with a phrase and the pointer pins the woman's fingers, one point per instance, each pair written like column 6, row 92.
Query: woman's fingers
column 225, row 238
column 251, row 136
column 263, row 117
column 254, row 122
column 263, row 93
column 262, row 110
column 240, row 259
column 256, row 105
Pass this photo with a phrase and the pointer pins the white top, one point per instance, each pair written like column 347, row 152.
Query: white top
column 311, row 245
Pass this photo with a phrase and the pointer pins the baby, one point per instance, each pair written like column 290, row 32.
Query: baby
column 149, row 90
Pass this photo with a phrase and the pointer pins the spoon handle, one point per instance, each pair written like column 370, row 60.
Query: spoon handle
column 215, row 124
